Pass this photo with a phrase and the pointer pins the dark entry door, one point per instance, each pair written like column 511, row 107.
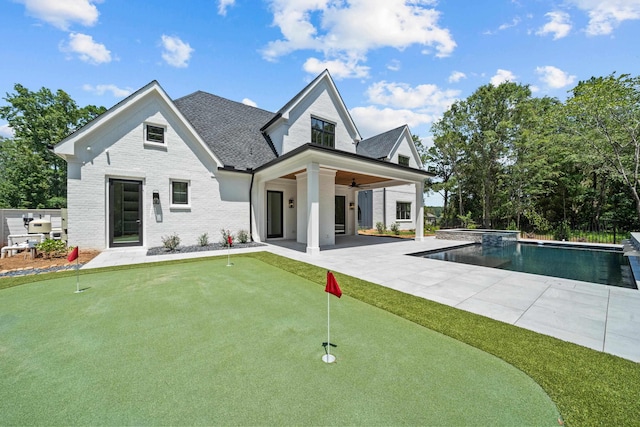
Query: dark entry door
column 340, row 215
column 274, row 214
column 125, row 213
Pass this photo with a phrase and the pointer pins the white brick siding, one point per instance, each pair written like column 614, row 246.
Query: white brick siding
column 217, row 200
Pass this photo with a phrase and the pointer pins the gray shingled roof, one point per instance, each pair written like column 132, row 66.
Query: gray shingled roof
column 231, row 129
column 379, row 146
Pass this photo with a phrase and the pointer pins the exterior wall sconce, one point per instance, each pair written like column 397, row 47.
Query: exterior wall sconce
column 352, row 205
column 291, row 203
column 156, row 197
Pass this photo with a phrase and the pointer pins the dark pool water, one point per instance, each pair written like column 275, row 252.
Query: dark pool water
column 607, row 267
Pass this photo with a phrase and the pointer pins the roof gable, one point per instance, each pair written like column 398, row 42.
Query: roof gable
column 68, row 146
column 300, row 97
column 385, row 145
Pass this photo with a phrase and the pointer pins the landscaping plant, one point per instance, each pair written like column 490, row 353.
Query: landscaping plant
column 203, row 239
column 52, row 248
column 225, row 237
column 171, row 242
column 243, row 236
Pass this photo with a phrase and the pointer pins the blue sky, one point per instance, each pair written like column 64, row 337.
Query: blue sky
column 394, row 61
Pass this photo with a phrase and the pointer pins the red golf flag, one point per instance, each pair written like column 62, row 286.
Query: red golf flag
column 332, row 285
column 229, row 239
column 73, row 255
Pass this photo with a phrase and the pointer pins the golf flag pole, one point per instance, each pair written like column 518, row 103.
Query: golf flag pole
column 331, row 288
column 229, row 241
column 74, row 256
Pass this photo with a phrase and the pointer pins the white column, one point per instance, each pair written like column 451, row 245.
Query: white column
column 313, row 208
column 419, row 211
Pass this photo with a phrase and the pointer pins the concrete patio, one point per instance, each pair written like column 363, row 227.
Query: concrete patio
column 604, row 318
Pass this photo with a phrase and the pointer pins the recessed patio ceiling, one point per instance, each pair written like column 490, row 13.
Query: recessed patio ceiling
column 347, row 178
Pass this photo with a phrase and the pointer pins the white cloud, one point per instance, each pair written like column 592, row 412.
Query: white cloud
column 339, row 69
column 62, row 13
column 400, row 103
column 502, row 76
column 605, row 15
column 427, row 98
column 86, row 48
column 373, row 120
column 176, row 52
column 554, row 77
column 511, row 24
column 249, row 102
column 394, row 65
column 100, row 90
column 559, row 25
column 456, row 76
column 223, row 5
column 344, row 29
column 6, row 131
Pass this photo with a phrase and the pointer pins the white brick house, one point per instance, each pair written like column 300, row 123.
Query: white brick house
column 152, row 166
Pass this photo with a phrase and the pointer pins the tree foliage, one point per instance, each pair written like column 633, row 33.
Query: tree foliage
column 507, row 159
column 31, row 175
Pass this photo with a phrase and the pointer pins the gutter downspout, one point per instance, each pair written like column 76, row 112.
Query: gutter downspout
column 251, row 207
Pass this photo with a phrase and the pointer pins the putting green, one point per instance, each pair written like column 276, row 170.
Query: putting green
column 203, row 343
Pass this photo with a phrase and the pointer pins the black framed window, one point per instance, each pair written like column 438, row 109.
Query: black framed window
column 323, row 133
column 155, row 134
column 403, row 210
column 179, row 193
column 403, row 160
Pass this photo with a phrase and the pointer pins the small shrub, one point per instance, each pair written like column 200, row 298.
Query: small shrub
column 225, row 238
column 52, row 247
column 395, row 228
column 243, row 236
column 203, row 239
column 562, row 232
column 171, row 242
column 380, row 228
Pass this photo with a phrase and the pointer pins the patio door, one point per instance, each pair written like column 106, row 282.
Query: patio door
column 274, row 214
column 340, row 216
column 125, row 213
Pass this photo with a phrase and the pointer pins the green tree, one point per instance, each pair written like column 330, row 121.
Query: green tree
column 604, row 113
column 40, row 120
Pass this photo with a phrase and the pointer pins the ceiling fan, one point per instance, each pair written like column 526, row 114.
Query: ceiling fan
column 354, row 184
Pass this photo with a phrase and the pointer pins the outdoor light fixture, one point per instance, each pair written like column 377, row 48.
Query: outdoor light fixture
column 156, row 197
column 352, row 205
column 291, row 203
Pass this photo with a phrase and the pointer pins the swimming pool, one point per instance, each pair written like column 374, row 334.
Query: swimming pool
column 607, row 267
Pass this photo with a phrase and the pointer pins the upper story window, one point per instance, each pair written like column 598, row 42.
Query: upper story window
column 154, row 134
column 323, row 133
column 403, row 160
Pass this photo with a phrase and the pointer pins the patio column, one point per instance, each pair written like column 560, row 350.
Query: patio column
column 419, row 211
column 313, row 208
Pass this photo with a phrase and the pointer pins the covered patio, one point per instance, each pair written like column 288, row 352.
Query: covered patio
column 310, row 195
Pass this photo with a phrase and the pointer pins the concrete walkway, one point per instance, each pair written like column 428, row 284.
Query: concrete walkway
column 604, row 318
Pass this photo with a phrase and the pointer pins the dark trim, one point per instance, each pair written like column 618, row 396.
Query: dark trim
column 339, row 153
column 250, row 208
column 270, row 122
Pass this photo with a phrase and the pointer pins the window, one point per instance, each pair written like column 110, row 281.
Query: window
column 403, row 160
column 403, row 210
column 155, row 134
column 323, row 133
column 180, row 193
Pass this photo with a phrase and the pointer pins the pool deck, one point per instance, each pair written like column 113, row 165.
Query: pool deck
column 604, row 318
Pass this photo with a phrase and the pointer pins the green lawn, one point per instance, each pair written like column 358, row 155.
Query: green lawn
column 201, row 343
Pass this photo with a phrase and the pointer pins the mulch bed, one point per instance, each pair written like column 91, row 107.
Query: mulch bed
column 161, row 250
